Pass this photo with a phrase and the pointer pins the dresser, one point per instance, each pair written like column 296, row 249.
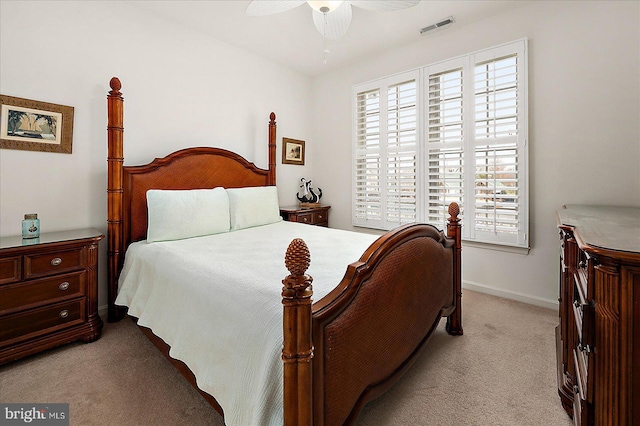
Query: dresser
column 48, row 291
column 598, row 336
column 313, row 215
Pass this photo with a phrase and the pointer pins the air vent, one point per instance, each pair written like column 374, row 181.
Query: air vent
column 442, row 23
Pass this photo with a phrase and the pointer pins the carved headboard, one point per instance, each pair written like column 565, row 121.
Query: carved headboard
column 191, row 168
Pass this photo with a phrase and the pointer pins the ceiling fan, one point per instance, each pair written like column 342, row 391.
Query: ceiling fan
column 331, row 18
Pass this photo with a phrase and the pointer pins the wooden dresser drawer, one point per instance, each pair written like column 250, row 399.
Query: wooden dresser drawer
column 44, row 290
column 577, row 407
column 38, row 265
column 27, row 324
column 579, row 305
column 580, row 362
column 10, row 268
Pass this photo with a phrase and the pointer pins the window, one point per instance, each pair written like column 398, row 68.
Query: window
column 385, row 154
column 459, row 136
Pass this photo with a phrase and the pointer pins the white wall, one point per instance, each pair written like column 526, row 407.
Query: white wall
column 584, row 127
column 181, row 88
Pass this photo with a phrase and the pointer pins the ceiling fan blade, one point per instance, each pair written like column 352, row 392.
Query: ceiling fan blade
column 269, row 7
column 384, row 5
column 337, row 22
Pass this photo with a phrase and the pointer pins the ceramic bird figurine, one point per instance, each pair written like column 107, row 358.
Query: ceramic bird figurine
column 306, row 193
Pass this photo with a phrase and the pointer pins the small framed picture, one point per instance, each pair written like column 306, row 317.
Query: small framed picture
column 292, row 151
column 35, row 126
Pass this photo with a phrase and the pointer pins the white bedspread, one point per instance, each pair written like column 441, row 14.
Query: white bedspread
column 216, row 301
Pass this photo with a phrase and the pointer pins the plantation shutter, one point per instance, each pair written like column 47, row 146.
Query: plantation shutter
column 367, row 206
column 445, row 140
column 499, row 205
column 401, row 153
column 473, row 150
column 385, row 153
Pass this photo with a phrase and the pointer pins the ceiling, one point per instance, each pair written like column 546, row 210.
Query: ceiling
column 291, row 39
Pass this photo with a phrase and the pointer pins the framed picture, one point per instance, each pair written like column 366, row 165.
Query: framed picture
column 35, row 126
column 292, row 151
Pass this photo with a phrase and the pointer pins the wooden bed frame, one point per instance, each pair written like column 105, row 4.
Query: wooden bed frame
column 336, row 351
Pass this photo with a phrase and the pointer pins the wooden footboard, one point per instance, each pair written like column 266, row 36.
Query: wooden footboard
column 371, row 327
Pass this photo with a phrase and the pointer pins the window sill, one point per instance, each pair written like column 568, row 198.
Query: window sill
column 465, row 243
column 496, row 247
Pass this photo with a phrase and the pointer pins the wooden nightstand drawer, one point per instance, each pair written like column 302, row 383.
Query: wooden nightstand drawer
column 28, row 324
column 45, row 290
column 305, row 218
column 320, row 217
column 311, row 216
column 53, row 263
column 10, row 270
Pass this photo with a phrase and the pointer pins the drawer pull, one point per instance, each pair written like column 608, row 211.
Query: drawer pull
column 63, row 314
column 63, row 286
column 304, row 219
column 584, row 348
column 320, row 216
column 56, row 261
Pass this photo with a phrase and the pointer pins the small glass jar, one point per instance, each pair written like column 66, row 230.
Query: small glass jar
column 31, row 226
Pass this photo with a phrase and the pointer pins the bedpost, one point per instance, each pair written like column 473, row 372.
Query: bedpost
column 272, row 149
column 454, row 321
column 115, row 159
column 297, row 350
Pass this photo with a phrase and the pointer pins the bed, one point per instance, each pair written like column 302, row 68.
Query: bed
column 337, row 349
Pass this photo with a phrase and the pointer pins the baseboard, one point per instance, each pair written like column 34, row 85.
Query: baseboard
column 520, row 297
column 103, row 311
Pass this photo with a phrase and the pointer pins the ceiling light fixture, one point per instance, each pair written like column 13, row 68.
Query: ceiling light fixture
column 331, row 18
column 325, row 6
column 337, row 13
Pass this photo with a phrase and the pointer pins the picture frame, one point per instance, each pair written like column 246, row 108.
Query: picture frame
column 30, row 125
column 293, row 151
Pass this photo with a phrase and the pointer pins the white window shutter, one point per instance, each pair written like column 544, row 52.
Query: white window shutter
column 499, row 207
column 367, row 174
column 473, row 149
column 401, row 154
column 445, row 138
column 385, row 152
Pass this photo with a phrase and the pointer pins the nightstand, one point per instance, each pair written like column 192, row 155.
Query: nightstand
column 313, row 216
column 48, row 291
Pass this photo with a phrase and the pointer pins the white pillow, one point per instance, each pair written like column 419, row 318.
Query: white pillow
column 253, row 206
column 178, row 214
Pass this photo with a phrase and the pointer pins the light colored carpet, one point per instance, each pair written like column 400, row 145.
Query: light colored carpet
column 501, row 372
